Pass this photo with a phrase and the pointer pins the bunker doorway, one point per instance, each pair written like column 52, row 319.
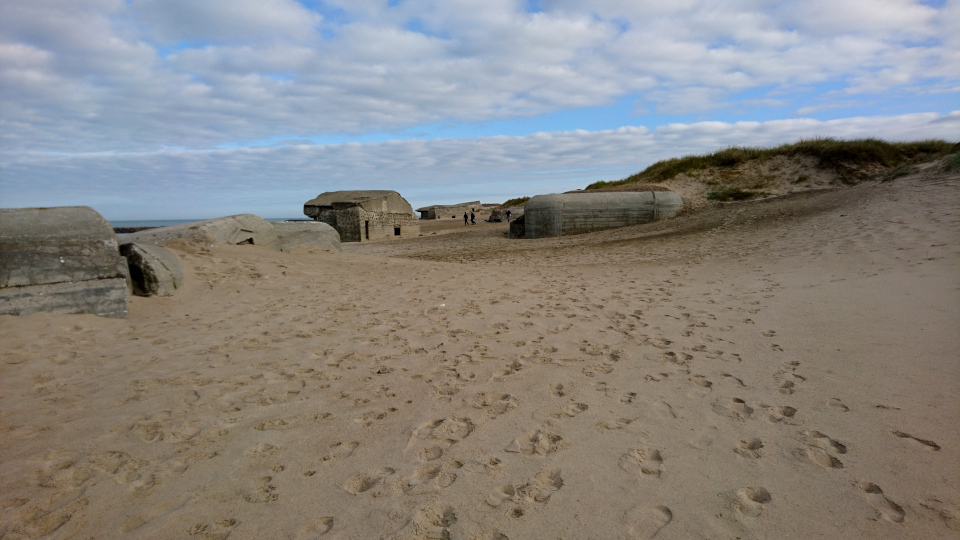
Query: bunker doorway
column 366, row 229
column 396, row 231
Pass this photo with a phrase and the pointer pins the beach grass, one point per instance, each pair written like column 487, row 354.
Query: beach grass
column 846, row 157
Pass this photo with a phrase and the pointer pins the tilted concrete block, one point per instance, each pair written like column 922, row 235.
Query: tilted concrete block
column 60, row 260
column 239, row 229
column 300, row 234
column 154, row 270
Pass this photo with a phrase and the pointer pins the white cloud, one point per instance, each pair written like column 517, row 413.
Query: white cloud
column 91, row 75
column 275, row 181
column 169, row 22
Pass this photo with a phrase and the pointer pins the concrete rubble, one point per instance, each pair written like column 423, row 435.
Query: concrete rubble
column 301, row 234
column 154, row 270
column 60, row 260
column 239, row 229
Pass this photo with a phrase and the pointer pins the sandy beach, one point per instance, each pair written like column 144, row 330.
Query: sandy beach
column 778, row 369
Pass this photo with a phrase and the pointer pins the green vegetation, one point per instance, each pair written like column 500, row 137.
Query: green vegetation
column 845, row 157
column 900, row 170
column 953, row 164
column 513, row 203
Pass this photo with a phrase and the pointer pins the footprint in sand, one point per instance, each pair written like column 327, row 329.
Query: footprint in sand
column 642, row 462
column 541, row 487
column 735, row 408
column 784, row 414
column 538, row 489
column 536, row 442
column 887, row 509
column 735, row 380
column 703, row 386
column 837, row 405
column 316, row 529
column 645, row 523
column 924, row 443
column 263, row 492
column 493, row 404
column 663, row 410
column 450, row 430
column 705, row 438
column 617, row 423
column 416, row 482
column 597, row 369
column 557, row 390
column 432, row 521
column 217, row 531
column 750, row 448
column 431, row 453
column 341, row 451
column 821, row 450
column 365, row 481
column 750, row 500
column 574, row 409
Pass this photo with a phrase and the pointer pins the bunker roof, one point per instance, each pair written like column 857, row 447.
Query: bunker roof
column 371, row 200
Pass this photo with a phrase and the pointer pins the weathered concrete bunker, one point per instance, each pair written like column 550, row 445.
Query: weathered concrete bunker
column 581, row 212
column 360, row 216
column 239, row 229
column 60, row 260
column 447, row 211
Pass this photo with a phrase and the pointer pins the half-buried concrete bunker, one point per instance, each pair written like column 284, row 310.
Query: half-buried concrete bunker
column 580, row 212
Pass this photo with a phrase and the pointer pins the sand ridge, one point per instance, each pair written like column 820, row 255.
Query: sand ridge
column 778, row 369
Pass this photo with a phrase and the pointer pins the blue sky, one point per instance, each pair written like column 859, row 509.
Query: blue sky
column 178, row 109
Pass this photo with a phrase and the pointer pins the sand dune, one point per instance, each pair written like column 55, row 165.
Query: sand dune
column 778, row 369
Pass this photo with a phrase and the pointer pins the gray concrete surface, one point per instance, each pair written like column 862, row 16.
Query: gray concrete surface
column 300, row 234
column 239, row 229
column 154, row 270
column 60, row 260
column 364, row 215
column 580, row 212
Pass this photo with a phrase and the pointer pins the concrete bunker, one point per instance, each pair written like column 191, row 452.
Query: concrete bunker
column 584, row 211
column 235, row 230
column 360, row 216
column 448, row 211
column 60, row 260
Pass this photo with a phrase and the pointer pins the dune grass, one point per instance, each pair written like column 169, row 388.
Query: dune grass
column 845, row 157
column 513, row 203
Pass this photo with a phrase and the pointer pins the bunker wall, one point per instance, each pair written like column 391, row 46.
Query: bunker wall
column 575, row 213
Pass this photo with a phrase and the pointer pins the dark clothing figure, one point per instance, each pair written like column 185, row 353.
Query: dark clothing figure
column 464, row 218
column 508, row 216
column 473, row 221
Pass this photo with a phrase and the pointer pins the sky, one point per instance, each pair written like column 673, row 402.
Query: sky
column 183, row 109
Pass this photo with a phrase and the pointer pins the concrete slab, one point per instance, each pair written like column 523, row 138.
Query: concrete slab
column 239, row 229
column 300, row 234
column 154, row 270
column 60, row 260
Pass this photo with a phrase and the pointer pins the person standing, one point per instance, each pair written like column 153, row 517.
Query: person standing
column 508, row 216
column 464, row 218
column 473, row 220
